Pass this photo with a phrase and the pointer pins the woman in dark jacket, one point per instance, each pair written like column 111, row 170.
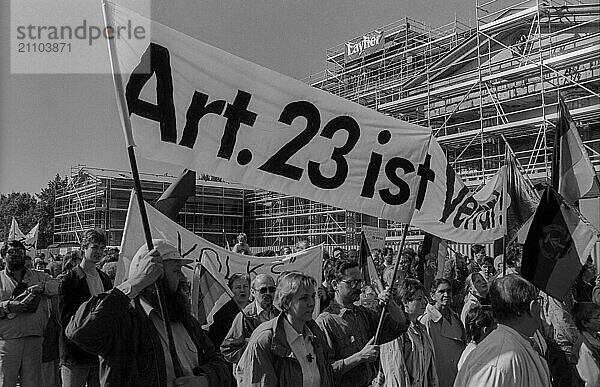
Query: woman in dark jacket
column 289, row 350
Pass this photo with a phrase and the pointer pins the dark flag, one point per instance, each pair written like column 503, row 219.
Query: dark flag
column 557, row 245
column 174, row 198
column 367, row 266
column 432, row 245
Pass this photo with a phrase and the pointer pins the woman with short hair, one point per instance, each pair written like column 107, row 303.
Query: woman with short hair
column 240, row 286
column 476, row 288
column 289, row 350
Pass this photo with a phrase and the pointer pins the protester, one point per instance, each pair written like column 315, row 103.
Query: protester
column 560, row 335
column 254, row 314
column 455, row 269
column 479, row 323
column 289, row 350
column 368, row 298
column 430, row 270
column 108, row 325
column 28, row 263
column 240, row 286
column 110, row 269
column 338, row 253
column 81, row 283
column 302, row 244
column 446, row 331
column 476, row 288
column 70, row 260
column 584, row 285
column 54, row 269
column 506, row 356
column 349, row 328
column 401, row 275
column 409, row 360
column 487, row 269
column 352, row 255
column 23, row 317
column 39, row 264
column 477, row 255
column 587, row 320
column 241, row 247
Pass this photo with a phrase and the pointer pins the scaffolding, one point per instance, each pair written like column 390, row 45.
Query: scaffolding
column 476, row 85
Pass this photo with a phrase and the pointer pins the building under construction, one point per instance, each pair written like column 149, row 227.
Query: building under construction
column 99, row 198
column 477, row 86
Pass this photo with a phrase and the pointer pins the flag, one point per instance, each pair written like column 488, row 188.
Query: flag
column 214, row 303
column 367, row 266
column 433, row 245
column 29, row 240
column 15, row 232
column 573, row 172
column 174, row 198
column 557, row 245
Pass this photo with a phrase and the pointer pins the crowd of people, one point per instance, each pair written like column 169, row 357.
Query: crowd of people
column 475, row 322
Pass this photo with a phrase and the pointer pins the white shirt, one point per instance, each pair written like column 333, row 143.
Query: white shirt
column 94, row 283
column 185, row 347
column 301, row 344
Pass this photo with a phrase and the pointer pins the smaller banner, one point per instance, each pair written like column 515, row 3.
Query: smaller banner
column 375, row 236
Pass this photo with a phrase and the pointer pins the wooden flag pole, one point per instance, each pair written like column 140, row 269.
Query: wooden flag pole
column 126, row 124
column 396, row 265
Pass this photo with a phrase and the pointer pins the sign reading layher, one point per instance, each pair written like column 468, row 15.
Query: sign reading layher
column 194, row 105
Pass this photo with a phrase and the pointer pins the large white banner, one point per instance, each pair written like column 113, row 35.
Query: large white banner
column 219, row 261
column 450, row 211
column 197, row 106
column 208, row 110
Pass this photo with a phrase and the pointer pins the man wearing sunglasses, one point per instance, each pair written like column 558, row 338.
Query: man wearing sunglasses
column 350, row 328
column 256, row 313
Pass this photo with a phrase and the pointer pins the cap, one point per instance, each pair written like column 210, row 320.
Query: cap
column 167, row 250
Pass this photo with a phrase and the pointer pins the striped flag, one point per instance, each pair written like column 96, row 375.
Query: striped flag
column 433, row 246
column 215, row 303
column 557, row 245
column 573, row 169
column 367, row 266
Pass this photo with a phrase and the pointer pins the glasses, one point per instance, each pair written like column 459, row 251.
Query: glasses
column 354, row 284
column 267, row 289
column 14, row 251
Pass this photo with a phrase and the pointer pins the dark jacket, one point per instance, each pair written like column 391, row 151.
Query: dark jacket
column 130, row 350
column 242, row 327
column 75, row 291
column 269, row 360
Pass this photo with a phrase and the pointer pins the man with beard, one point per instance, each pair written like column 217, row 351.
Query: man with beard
column 84, row 281
column 254, row 314
column 350, row 329
column 23, row 317
column 125, row 328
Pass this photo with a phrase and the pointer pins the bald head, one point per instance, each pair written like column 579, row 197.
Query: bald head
column 262, row 280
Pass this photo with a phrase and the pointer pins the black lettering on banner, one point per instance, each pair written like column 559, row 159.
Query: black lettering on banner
column 277, row 272
column 254, row 269
column 338, row 123
column 277, row 164
column 449, row 204
column 236, row 114
column 468, row 207
column 368, row 189
column 163, row 112
column 198, row 109
column 404, row 190
column 427, row 174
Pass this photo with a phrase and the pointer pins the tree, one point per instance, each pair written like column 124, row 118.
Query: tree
column 45, row 210
column 21, row 205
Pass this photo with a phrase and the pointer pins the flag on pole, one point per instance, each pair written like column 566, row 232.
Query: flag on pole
column 227, row 246
column 367, row 266
column 30, row 240
column 573, row 169
column 215, row 303
column 174, row 198
column 15, row 232
column 557, row 246
column 436, row 247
